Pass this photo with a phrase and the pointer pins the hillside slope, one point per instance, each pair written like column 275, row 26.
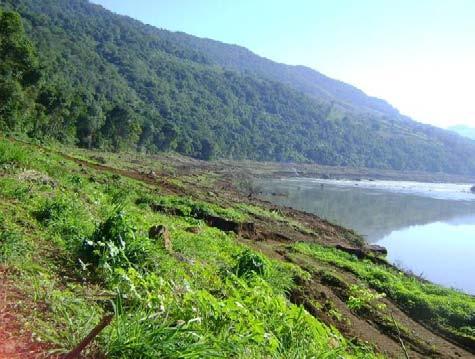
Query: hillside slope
column 114, row 83
column 193, row 275
column 304, row 79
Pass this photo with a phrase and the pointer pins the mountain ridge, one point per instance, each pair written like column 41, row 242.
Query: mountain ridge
column 312, row 86
column 111, row 82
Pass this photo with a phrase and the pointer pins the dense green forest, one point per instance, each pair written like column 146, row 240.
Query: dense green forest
column 75, row 72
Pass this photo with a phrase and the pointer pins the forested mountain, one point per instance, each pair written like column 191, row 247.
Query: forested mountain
column 301, row 78
column 111, row 82
column 463, row 130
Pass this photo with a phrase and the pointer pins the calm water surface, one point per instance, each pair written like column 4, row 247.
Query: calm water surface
column 427, row 228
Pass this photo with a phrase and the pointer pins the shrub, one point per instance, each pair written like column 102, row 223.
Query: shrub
column 249, row 264
column 114, row 244
column 106, row 247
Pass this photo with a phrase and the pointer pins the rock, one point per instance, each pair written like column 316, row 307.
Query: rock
column 248, row 228
column 358, row 252
column 194, row 230
column 230, row 226
column 377, row 249
column 161, row 232
column 362, row 253
column 472, row 189
column 223, row 224
column 152, row 175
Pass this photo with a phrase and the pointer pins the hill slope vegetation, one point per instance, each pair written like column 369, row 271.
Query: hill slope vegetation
column 190, row 275
column 114, row 83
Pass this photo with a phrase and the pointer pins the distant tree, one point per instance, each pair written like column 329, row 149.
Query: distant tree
column 147, row 135
column 166, row 138
column 88, row 125
column 207, row 150
column 18, row 71
column 121, row 128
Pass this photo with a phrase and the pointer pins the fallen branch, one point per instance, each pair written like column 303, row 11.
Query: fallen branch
column 399, row 337
column 76, row 352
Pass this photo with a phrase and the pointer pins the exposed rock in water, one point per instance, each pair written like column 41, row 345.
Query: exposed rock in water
column 472, row 189
column 161, row 232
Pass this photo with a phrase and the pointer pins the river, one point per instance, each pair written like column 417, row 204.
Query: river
column 428, row 228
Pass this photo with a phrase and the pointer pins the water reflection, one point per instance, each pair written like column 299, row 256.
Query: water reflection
column 442, row 252
column 424, row 233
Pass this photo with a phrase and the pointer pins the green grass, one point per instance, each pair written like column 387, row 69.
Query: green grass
column 443, row 308
column 80, row 248
column 274, row 215
column 194, row 208
column 12, row 154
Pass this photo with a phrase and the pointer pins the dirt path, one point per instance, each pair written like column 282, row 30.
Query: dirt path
column 15, row 342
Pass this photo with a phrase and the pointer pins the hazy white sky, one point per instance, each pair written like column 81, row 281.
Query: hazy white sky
column 417, row 54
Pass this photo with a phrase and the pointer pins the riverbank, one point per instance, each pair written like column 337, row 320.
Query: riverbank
column 289, row 170
column 427, row 227
column 194, row 267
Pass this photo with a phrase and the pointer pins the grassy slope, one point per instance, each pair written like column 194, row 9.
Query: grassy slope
column 74, row 239
column 445, row 309
column 192, row 305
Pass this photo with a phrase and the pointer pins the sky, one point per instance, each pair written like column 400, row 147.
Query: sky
column 419, row 55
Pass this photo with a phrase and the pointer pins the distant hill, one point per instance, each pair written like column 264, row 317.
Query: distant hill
column 464, row 131
column 111, row 82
